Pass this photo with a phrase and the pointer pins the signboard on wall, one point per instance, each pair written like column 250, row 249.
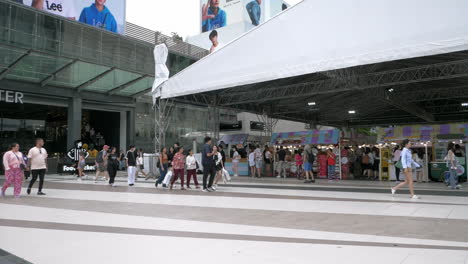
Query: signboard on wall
column 108, row 15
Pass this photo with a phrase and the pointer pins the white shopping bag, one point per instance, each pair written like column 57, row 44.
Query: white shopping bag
column 226, row 175
column 168, row 177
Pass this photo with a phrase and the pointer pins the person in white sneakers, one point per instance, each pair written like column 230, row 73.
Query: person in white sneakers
column 408, row 164
column 131, row 165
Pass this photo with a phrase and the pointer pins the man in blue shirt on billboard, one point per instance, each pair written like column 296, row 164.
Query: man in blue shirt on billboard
column 98, row 15
column 213, row 17
column 255, row 12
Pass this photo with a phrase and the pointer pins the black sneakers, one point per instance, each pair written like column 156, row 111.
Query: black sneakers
column 41, row 193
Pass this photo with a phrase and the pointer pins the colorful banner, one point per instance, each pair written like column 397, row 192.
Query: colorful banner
column 324, row 137
column 422, row 132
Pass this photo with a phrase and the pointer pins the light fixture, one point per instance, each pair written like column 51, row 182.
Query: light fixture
column 311, row 103
column 464, row 104
column 352, row 112
column 391, row 90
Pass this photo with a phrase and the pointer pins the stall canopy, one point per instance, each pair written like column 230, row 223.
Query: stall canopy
column 402, row 56
column 423, row 132
column 315, row 137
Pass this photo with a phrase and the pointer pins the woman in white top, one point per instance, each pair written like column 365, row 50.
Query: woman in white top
column 235, row 161
column 407, row 163
column 218, row 158
column 191, row 163
column 452, row 164
column 252, row 163
column 13, row 163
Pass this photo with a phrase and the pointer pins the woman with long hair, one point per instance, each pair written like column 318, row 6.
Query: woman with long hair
column 452, row 164
column 218, row 158
column 396, row 158
column 163, row 166
column 408, row 164
column 235, row 161
column 113, row 165
column 191, row 164
column 14, row 165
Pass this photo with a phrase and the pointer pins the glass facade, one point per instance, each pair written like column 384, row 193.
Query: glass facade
column 22, row 123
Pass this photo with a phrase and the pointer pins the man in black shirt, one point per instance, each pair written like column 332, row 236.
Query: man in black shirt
column 208, row 165
column 281, row 161
column 131, row 165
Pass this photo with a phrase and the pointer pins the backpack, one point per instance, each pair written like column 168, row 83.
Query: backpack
column 310, row 157
column 100, row 158
column 365, row 159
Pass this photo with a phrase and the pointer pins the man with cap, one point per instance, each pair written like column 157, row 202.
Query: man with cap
column 101, row 163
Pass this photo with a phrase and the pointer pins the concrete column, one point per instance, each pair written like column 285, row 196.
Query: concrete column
column 74, row 121
column 131, row 127
column 123, row 130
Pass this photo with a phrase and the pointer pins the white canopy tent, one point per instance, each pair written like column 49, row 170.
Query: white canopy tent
column 321, row 35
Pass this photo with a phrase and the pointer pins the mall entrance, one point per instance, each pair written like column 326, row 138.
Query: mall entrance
column 100, row 128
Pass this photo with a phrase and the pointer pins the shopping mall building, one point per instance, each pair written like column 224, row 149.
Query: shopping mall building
column 60, row 79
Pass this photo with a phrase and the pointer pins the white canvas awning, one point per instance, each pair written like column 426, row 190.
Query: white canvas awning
column 321, row 35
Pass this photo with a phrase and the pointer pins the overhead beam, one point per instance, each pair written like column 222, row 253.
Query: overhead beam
column 441, row 71
column 13, row 65
column 93, row 80
column 49, row 78
column 126, row 85
column 145, row 91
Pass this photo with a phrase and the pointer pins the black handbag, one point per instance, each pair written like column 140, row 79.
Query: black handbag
column 22, row 165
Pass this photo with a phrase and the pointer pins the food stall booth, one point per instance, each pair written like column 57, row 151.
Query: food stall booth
column 321, row 139
column 433, row 139
column 241, row 142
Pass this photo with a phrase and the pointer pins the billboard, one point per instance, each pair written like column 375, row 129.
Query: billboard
column 98, row 13
column 221, row 21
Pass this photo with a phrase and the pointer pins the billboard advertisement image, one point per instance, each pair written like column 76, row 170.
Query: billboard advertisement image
column 108, row 15
column 221, row 21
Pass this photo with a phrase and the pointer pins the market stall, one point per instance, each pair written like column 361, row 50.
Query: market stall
column 321, row 139
column 433, row 140
column 240, row 141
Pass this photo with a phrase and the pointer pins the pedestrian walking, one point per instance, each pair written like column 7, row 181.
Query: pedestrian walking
column 81, row 165
column 14, row 166
column 268, row 160
column 140, row 164
column 208, row 166
column 163, row 166
column 101, row 163
column 308, row 163
column 192, row 167
column 178, row 166
column 113, row 161
column 408, row 164
column 396, row 158
column 235, row 161
column 219, row 166
column 37, row 157
column 122, row 160
column 252, row 163
column 131, row 165
column 331, row 162
column 452, row 164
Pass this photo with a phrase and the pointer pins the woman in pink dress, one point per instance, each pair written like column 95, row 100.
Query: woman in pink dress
column 13, row 163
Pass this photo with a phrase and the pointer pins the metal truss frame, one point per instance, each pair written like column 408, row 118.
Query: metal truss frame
column 432, row 72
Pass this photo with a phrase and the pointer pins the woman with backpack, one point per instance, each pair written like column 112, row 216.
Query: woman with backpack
column 308, row 163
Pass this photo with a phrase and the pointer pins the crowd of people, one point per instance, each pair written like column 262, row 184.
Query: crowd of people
column 176, row 164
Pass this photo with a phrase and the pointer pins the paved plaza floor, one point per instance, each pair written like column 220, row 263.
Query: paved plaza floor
column 264, row 220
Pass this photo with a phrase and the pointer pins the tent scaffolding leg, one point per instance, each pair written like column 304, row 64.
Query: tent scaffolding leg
column 162, row 112
column 270, row 124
